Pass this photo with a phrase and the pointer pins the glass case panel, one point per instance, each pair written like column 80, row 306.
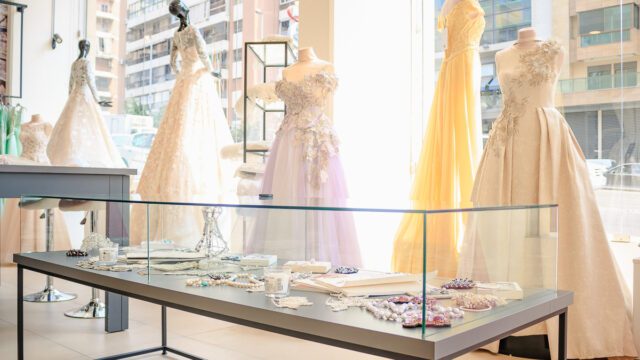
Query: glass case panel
column 328, row 261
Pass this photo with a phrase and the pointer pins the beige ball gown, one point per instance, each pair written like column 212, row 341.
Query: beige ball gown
column 532, row 157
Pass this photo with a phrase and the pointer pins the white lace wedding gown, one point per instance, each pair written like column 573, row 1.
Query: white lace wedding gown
column 80, row 136
column 532, row 157
column 24, row 230
column 184, row 164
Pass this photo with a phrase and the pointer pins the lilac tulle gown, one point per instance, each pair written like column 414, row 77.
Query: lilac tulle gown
column 304, row 169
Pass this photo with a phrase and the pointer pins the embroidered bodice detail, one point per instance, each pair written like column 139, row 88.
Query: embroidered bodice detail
column 191, row 47
column 531, row 84
column 465, row 24
column 34, row 141
column 538, row 64
column 305, row 101
column 82, row 75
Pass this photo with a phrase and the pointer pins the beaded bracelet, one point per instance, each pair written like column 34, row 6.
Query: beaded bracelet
column 346, row 270
column 77, row 252
column 459, row 284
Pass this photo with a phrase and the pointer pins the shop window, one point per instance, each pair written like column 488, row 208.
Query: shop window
column 607, row 25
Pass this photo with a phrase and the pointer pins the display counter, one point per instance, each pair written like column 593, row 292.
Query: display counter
column 290, row 269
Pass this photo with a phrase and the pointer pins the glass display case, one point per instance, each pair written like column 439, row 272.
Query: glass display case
column 331, row 263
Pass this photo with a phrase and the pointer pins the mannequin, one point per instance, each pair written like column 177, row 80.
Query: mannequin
column 308, row 63
column 80, row 137
column 532, row 157
column 186, row 149
column 180, row 10
column 527, row 40
column 24, row 230
column 84, row 46
column 38, row 120
column 304, row 168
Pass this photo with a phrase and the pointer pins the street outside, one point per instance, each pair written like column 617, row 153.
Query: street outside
column 620, row 210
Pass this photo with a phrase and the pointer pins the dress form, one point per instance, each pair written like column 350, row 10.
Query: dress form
column 38, row 120
column 308, row 63
column 527, row 40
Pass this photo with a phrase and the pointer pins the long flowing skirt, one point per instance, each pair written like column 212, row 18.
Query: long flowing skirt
column 542, row 164
column 444, row 174
column 184, row 164
column 80, row 136
column 303, row 235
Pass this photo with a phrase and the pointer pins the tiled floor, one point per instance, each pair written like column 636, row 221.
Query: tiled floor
column 50, row 335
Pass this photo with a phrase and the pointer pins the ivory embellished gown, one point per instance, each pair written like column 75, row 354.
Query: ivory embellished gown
column 450, row 152
column 532, row 157
column 184, row 164
column 304, row 169
column 80, row 136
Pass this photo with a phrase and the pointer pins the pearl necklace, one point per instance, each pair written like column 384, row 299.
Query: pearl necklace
column 228, row 280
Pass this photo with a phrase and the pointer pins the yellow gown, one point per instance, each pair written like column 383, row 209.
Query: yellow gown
column 451, row 150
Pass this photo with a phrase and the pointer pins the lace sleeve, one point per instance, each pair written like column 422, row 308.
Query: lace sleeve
column 173, row 57
column 201, row 48
column 91, row 80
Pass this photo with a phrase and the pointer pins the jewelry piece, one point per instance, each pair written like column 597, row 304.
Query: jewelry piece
column 459, row 284
column 405, row 299
column 226, row 279
column 95, row 241
column 291, row 302
column 338, row 302
column 476, row 302
column 251, row 282
column 346, row 270
column 77, row 252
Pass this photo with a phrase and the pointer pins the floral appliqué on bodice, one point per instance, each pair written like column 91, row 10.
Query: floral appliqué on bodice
column 305, row 101
column 190, row 45
column 537, row 67
column 82, row 75
column 34, row 141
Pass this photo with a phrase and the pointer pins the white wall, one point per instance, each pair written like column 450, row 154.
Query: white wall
column 46, row 71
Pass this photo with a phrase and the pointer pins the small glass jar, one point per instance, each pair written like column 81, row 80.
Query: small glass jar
column 108, row 255
column 276, row 281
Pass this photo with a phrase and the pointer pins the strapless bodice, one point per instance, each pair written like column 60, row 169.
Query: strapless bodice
column 34, row 141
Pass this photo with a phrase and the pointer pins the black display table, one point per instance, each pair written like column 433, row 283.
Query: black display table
column 352, row 329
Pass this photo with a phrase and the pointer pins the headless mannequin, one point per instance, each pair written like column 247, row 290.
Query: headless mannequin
column 84, row 46
column 180, row 10
column 527, row 40
column 37, row 120
column 308, row 64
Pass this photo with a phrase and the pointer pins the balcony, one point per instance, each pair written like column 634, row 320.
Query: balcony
column 599, row 82
column 600, row 89
column 106, row 15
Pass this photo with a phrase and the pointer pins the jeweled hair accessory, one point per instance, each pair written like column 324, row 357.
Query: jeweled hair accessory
column 459, row 284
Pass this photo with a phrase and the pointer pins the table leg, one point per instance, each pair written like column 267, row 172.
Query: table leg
column 20, row 313
column 164, row 330
column 562, row 335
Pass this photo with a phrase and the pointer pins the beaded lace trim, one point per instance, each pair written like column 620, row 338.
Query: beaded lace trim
column 182, row 40
column 537, row 69
column 305, row 101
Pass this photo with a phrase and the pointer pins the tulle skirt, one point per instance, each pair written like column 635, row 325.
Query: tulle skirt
column 303, row 235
